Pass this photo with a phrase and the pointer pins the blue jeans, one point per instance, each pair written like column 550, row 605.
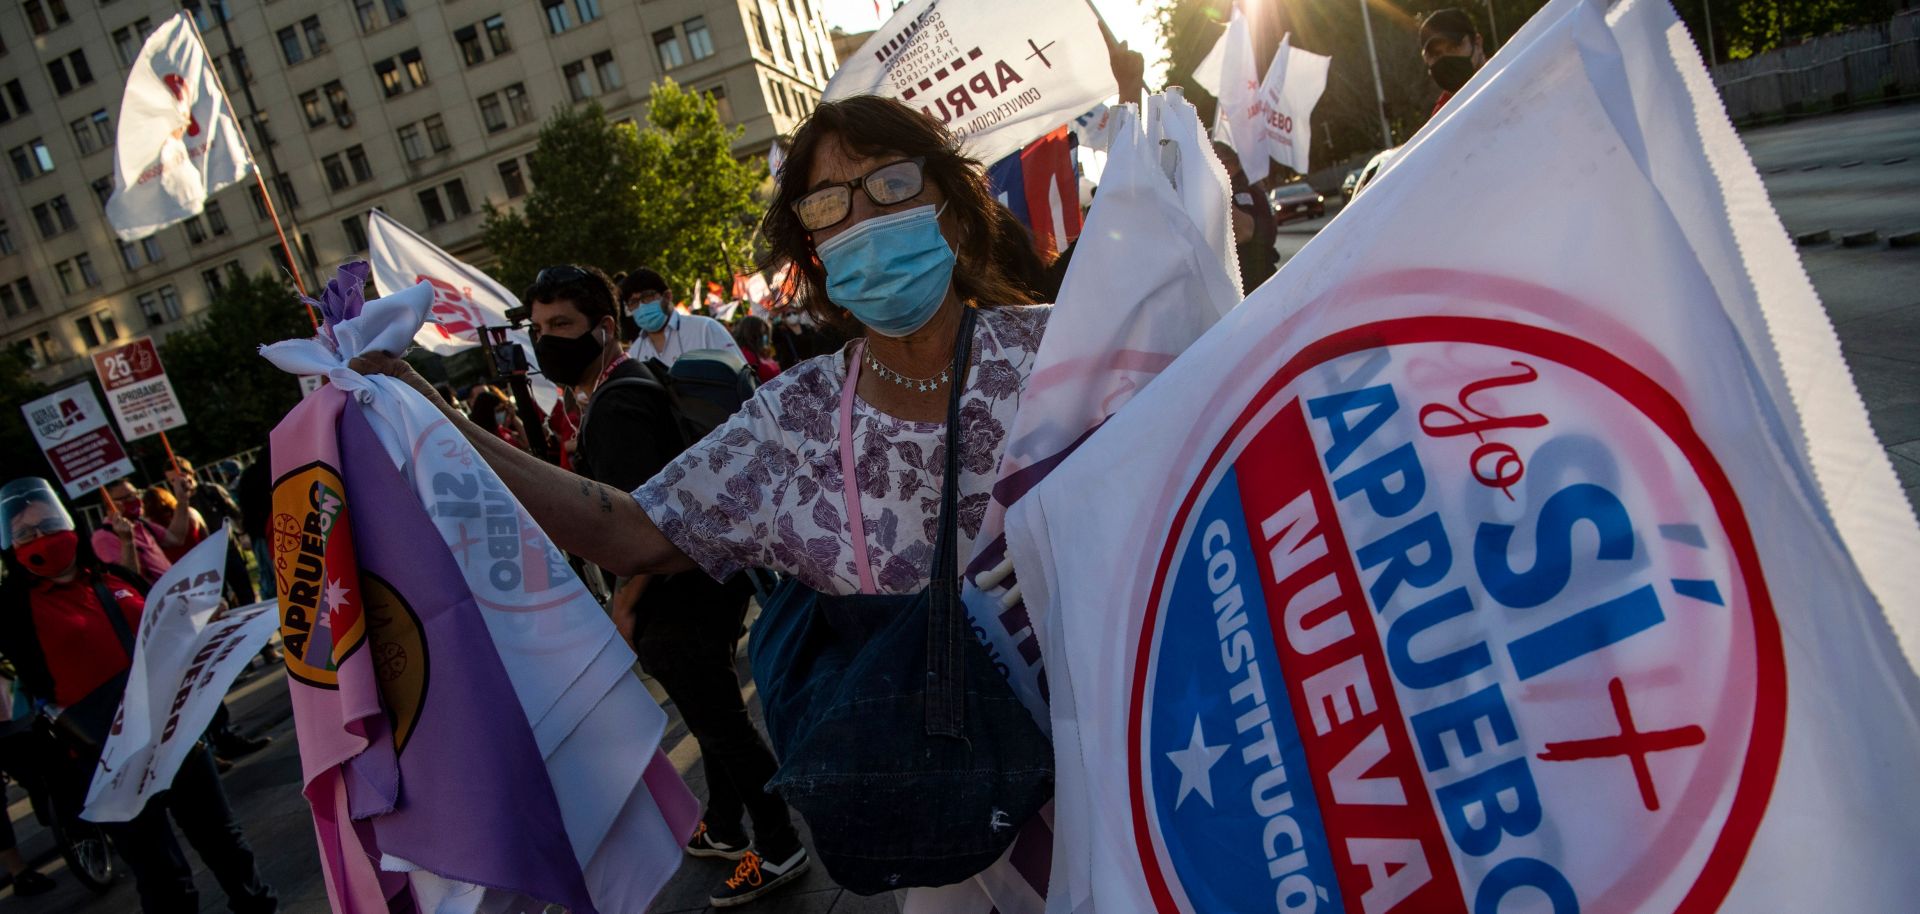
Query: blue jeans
column 265, row 562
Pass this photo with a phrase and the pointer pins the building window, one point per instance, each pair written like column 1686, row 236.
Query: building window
column 54, row 217
column 280, row 259
column 357, row 161
column 367, row 14
column 496, row 27
column 511, row 179
column 760, row 29
column 127, row 41
column 210, row 13
column 216, row 218
column 396, row 10
column 6, row 239
column 356, row 234
column 699, row 40
column 150, row 246
column 31, row 159
column 103, row 191
column 721, row 105
column 240, row 65
column 44, row 350
column 8, row 303
column 608, row 71
column 430, row 207
column 667, row 45
column 290, row 45
column 196, row 229
column 64, row 270
column 70, row 72
column 575, row 74
column 437, row 133
column 17, row 101
column 589, row 10
column 89, row 276
column 83, row 136
column 109, row 328
column 259, row 201
column 336, row 171
column 457, row 204
column 337, row 102
column 316, row 39
column 102, row 127
column 519, row 106
column 285, row 185
column 411, row 144
column 471, row 51
column 416, row 67
column 310, row 104
column 88, row 335
column 558, row 18
column 44, row 16
column 389, row 73
column 129, row 255
column 491, row 114
column 216, row 281
column 29, row 299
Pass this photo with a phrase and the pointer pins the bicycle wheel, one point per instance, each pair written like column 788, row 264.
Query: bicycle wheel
column 88, row 853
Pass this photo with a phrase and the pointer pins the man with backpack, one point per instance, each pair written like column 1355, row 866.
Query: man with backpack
column 637, row 417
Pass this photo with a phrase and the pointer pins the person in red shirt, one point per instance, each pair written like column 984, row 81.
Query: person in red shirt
column 140, row 544
column 755, row 338
column 1451, row 47
column 55, row 628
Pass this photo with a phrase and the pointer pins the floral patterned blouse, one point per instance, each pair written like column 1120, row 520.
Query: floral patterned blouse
column 764, row 489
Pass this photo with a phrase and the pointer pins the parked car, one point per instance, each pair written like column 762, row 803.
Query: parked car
column 1297, row 200
column 1373, row 168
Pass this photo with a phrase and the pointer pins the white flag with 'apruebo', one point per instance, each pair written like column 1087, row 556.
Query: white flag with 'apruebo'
column 1293, row 85
column 1546, row 566
column 177, row 142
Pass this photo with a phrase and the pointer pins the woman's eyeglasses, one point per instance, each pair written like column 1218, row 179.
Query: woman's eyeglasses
column 888, row 185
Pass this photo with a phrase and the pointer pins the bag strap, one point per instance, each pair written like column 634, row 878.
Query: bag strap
column 118, row 619
column 856, row 522
column 946, row 616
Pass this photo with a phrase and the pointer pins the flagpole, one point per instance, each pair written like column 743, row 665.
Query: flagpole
column 295, row 260
column 1379, row 90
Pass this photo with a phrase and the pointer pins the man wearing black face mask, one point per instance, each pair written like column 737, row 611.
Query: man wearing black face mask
column 684, row 626
column 1451, row 46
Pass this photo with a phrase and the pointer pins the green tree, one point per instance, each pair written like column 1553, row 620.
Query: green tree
column 19, row 452
column 671, row 196
column 232, row 396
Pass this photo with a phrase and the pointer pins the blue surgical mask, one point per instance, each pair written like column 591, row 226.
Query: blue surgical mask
column 891, row 271
column 651, row 316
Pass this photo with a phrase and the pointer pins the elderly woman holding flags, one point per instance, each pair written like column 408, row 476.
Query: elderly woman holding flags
column 863, row 476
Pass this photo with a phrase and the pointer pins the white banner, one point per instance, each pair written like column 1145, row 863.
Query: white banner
column 1547, row 566
column 72, row 431
column 1238, row 118
column 465, row 298
column 177, row 141
column 187, row 653
column 1293, row 85
column 999, row 73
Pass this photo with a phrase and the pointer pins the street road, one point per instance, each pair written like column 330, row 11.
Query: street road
column 1846, row 173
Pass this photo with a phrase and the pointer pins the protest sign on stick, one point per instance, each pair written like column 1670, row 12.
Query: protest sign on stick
column 999, row 73
column 1551, row 563
column 73, row 432
column 137, row 388
column 187, row 653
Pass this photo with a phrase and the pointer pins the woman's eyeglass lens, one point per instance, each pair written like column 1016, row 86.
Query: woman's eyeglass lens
column 888, row 185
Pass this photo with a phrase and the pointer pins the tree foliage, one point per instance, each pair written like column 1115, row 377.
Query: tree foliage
column 232, row 396
column 671, row 196
column 19, row 452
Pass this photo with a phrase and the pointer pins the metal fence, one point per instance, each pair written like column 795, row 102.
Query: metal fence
column 1828, row 73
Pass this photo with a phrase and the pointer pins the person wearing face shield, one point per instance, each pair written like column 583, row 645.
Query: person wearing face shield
column 836, row 472
column 1452, row 49
column 56, row 628
column 665, row 333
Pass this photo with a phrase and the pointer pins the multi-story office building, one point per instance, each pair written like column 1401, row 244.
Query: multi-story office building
column 422, row 109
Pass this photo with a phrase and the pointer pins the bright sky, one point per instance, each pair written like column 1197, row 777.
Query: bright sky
column 1130, row 20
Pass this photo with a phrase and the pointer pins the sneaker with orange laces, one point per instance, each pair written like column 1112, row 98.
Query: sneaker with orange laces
column 704, row 844
column 756, row 876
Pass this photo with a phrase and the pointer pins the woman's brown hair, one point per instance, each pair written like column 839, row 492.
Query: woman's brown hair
column 872, row 126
